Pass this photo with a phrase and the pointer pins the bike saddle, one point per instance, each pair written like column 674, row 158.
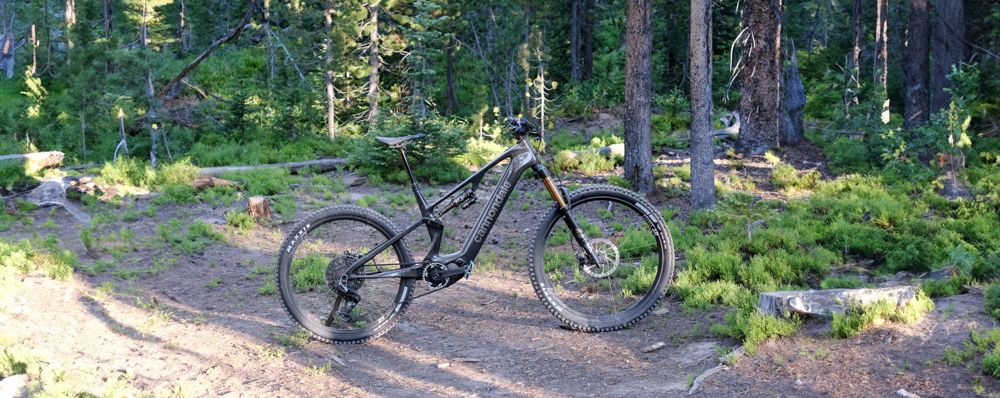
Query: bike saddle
column 395, row 142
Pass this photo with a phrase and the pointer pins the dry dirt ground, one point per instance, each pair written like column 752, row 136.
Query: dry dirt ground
column 197, row 325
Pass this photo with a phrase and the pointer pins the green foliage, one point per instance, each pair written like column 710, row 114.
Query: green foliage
column 784, row 176
column 992, row 300
column 935, row 288
column 840, row 282
column 193, row 239
column 431, row 157
column 264, row 182
column 24, row 257
column 240, row 220
column 859, row 317
column 309, row 271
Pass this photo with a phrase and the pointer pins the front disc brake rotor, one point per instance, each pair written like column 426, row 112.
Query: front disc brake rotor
column 607, row 258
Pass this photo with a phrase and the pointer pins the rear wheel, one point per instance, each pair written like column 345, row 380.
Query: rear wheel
column 322, row 246
column 635, row 260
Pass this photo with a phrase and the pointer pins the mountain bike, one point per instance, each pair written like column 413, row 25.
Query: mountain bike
column 600, row 260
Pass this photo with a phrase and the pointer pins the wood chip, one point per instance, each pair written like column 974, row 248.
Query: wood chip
column 654, row 347
column 468, row 360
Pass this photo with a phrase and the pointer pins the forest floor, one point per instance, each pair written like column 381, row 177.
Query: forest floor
column 167, row 323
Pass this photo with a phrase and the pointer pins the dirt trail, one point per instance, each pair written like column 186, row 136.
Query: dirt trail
column 174, row 329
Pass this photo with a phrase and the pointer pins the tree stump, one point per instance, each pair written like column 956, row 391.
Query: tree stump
column 259, row 208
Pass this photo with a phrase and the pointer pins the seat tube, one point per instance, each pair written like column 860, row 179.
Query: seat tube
column 421, row 202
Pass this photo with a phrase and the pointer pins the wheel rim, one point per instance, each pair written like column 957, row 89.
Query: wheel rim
column 603, row 293
column 316, row 255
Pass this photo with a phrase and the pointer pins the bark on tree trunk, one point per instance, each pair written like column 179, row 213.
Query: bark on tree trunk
column 881, row 73
column 107, row 13
column 702, row 150
column 574, row 40
column 184, row 32
column 854, row 67
column 760, row 78
column 331, row 112
column 70, row 21
column 450, row 100
column 915, row 69
column 638, row 93
column 793, row 104
column 374, row 62
column 948, row 49
column 588, row 41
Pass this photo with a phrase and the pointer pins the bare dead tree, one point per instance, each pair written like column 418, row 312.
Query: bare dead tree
column 374, row 61
column 8, row 43
column 331, row 114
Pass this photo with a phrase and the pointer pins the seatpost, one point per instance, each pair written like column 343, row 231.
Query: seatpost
column 421, row 202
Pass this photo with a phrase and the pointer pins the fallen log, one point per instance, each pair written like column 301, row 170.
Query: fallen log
column 319, row 165
column 201, row 183
column 34, row 162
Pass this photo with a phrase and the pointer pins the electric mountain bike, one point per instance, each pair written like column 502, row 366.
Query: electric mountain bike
column 600, row 260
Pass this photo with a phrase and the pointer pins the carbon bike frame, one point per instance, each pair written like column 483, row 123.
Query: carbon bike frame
column 522, row 157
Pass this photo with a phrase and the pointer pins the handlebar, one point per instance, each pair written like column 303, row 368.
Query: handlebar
column 521, row 127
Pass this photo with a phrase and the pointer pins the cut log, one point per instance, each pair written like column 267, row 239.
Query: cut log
column 824, row 303
column 201, row 183
column 34, row 162
column 319, row 165
column 259, row 208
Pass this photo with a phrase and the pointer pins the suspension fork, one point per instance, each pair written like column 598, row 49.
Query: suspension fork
column 560, row 196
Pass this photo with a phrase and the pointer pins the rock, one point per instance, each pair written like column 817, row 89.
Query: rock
column 906, row 394
column 49, row 193
column 14, row 386
column 944, row 273
column 826, row 302
column 443, row 365
column 654, row 347
column 613, row 150
column 467, row 360
column 661, row 311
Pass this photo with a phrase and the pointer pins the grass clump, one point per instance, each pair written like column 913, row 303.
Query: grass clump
column 25, row 257
column 860, row 317
column 944, row 287
column 193, row 239
column 240, row 220
column 309, row 271
column 785, row 177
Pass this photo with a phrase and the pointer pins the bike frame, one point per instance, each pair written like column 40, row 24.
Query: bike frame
column 522, row 157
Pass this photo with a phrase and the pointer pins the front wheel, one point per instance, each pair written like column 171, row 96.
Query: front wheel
column 635, row 260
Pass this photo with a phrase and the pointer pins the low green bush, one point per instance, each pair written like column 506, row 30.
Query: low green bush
column 840, row 282
column 860, row 317
column 992, row 300
column 944, row 287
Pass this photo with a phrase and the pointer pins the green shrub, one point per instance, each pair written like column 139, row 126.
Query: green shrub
column 944, row 287
column 309, row 271
column 859, row 317
column 430, row 157
column 240, row 220
column 846, row 155
column 591, row 162
column 175, row 194
column 992, row 300
column 178, row 173
column 194, row 239
column 784, row 176
column 840, row 282
column 636, row 243
column 480, row 151
column 754, row 327
column 264, row 182
column 129, row 172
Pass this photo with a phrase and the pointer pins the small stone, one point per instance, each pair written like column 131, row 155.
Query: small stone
column 443, row 365
column 654, row 347
column 14, row 386
column 661, row 311
column 906, row 394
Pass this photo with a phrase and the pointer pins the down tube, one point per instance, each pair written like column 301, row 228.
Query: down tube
column 498, row 200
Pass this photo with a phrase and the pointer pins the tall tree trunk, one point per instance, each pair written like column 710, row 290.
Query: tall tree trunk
column 151, row 100
column 881, row 72
column 70, row 21
column 915, row 69
column 574, row 40
column 947, row 49
column 702, row 150
column 331, row 113
column 638, row 94
column 854, row 67
column 760, row 78
column 374, row 61
column 184, row 33
column 450, row 100
column 793, row 104
column 107, row 14
column 588, row 41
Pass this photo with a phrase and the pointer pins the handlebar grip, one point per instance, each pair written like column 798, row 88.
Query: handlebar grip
column 520, row 126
